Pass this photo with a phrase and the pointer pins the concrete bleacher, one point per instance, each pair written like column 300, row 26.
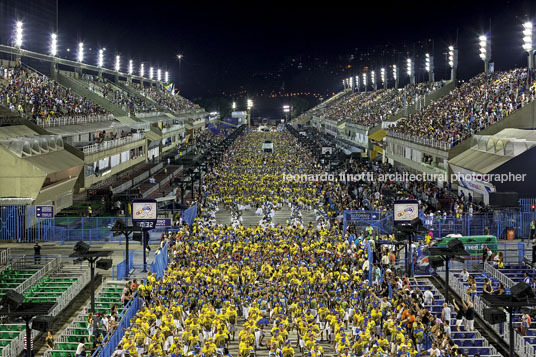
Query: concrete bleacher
column 105, row 298
column 46, row 282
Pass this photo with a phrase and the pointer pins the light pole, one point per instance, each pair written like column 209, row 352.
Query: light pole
column 395, row 75
column 382, row 76
column 453, row 62
column 365, row 81
column 249, row 106
column 357, row 84
column 528, row 45
column 485, row 51
column 180, row 57
column 429, row 66
column 373, row 80
column 410, row 69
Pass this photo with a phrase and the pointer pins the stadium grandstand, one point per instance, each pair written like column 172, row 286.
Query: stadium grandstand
column 391, row 219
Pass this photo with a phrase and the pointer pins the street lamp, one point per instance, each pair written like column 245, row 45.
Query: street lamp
column 485, row 51
column 53, row 45
column 410, row 68
column 429, row 65
column 100, row 58
column 528, row 45
column 117, row 63
column 395, row 75
column 453, row 62
column 18, row 34
column 80, row 52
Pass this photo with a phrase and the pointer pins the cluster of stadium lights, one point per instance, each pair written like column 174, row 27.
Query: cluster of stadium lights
column 484, row 54
column 18, row 37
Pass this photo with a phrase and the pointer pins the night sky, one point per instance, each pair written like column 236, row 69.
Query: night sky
column 228, row 48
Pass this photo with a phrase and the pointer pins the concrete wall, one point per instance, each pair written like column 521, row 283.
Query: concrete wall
column 18, row 177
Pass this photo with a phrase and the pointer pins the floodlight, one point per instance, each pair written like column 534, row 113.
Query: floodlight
column 80, row 52
column 18, row 34
column 100, row 58
column 53, row 45
column 151, row 73
column 527, row 37
column 142, row 70
column 117, row 63
column 130, row 67
column 166, row 76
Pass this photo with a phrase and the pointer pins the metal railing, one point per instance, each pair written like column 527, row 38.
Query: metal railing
column 50, row 266
column 442, row 145
column 174, row 127
column 496, row 274
column 16, row 346
column 110, row 144
column 148, row 114
column 68, row 295
column 4, row 256
column 74, row 120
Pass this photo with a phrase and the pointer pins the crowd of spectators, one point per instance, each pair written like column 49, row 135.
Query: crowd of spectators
column 373, row 107
column 476, row 104
column 165, row 98
column 129, row 103
column 41, row 98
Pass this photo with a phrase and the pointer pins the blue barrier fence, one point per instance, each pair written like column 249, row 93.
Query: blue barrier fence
column 121, row 270
column 497, row 223
column 113, row 340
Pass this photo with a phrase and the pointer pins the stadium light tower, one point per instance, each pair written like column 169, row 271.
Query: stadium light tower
column 395, row 75
column 142, row 70
column 365, row 81
column 159, row 75
column 429, row 65
column 166, row 76
column 18, row 34
column 130, row 67
column 528, row 44
column 53, row 45
column 453, row 62
column 410, row 69
column 373, row 80
column 234, row 106
column 357, row 83
column 288, row 114
column 100, row 58
column 80, row 52
column 117, row 63
column 382, row 77
column 351, row 81
column 485, row 51
column 151, row 72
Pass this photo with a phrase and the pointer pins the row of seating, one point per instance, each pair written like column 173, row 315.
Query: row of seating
column 11, row 278
column 105, row 298
column 472, row 342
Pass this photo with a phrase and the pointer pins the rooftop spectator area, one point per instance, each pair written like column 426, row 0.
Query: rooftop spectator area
column 42, row 99
column 165, row 98
column 475, row 105
column 130, row 103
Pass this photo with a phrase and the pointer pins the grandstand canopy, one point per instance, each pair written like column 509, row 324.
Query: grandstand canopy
column 489, row 152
